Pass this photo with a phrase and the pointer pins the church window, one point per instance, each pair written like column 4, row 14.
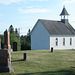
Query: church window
column 64, row 41
column 70, row 41
column 56, row 41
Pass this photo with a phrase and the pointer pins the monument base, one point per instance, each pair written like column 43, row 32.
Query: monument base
column 6, row 69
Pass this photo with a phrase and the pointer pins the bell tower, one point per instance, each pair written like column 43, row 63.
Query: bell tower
column 64, row 16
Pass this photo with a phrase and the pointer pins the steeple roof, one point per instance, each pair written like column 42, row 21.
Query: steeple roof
column 64, row 12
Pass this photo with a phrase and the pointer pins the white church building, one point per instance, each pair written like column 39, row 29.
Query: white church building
column 49, row 33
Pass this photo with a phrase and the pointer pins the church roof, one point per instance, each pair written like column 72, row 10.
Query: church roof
column 58, row 27
column 64, row 12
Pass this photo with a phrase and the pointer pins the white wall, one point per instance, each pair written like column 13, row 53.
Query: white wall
column 60, row 41
column 40, row 38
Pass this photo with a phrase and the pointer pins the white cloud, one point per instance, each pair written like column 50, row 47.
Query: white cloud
column 68, row 1
column 9, row 1
column 30, row 7
column 72, row 20
column 39, row 0
column 34, row 10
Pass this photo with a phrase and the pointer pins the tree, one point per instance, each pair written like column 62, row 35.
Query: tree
column 2, row 41
column 28, row 32
column 11, row 29
column 26, row 41
column 16, row 32
column 14, row 36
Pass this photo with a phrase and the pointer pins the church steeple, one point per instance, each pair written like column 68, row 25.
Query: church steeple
column 64, row 15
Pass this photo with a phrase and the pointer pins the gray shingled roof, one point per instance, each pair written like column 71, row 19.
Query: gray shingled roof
column 64, row 12
column 58, row 28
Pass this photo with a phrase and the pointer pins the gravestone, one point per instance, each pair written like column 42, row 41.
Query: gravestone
column 7, row 40
column 25, row 56
column 5, row 55
column 51, row 49
column 14, row 46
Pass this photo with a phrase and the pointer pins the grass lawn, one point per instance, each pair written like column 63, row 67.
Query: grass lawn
column 43, row 62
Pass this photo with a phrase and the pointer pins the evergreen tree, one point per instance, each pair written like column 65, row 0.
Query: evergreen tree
column 26, row 41
column 16, row 32
column 2, row 41
column 11, row 29
column 28, row 32
column 13, row 37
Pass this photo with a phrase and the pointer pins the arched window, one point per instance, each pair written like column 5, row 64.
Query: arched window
column 56, row 41
column 64, row 41
column 70, row 41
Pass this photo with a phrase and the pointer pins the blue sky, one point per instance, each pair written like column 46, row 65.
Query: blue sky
column 23, row 14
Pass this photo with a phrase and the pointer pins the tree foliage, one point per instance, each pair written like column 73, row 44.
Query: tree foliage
column 11, row 29
column 23, row 41
column 14, row 37
column 16, row 32
column 26, row 41
column 2, row 41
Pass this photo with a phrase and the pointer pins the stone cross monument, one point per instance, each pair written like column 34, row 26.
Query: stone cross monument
column 5, row 55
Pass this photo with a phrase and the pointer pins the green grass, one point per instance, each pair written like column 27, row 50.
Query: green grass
column 43, row 62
